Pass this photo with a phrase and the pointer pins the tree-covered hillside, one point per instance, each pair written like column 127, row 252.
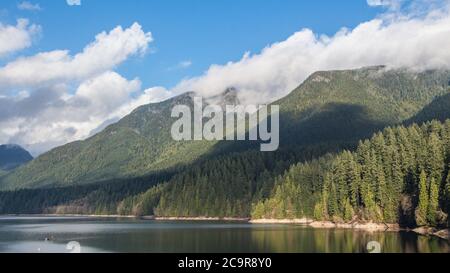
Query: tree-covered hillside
column 337, row 107
column 136, row 146
column 399, row 175
column 321, row 124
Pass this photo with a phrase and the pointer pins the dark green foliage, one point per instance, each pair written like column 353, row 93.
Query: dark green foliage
column 142, row 204
column 329, row 107
column 438, row 109
column 100, row 199
column 140, row 144
column 228, row 185
column 371, row 182
column 433, row 204
column 422, row 208
column 319, row 171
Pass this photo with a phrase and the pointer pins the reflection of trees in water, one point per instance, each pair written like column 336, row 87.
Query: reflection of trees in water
column 343, row 241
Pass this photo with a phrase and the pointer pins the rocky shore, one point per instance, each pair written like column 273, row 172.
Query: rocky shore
column 365, row 226
column 428, row 231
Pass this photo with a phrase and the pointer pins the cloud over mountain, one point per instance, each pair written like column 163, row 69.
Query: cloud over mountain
column 60, row 97
column 396, row 39
column 65, row 97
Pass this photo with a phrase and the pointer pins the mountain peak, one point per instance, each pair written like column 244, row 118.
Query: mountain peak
column 228, row 97
column 12, row 156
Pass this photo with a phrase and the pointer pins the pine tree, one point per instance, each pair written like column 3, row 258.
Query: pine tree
column 381, row 187
column 433, row 203
column 319, row 213
column 371, row 207
column 258, row 211
column 422, row 209
column 435, row 159
column 348, row 210
column 325, row 200
column 333, row 207
column 354, row 180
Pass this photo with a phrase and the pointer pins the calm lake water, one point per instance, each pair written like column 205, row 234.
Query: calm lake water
column 28, row 234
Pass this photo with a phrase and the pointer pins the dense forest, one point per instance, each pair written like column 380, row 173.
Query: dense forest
column 97, row 199
column 329, row 107
column 400, row 175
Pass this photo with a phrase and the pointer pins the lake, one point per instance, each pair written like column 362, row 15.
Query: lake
column 94, row 235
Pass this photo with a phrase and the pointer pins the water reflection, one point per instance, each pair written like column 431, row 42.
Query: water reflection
column 132, row 235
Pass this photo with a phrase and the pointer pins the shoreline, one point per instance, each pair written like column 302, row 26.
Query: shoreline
column 302, row 221
column 368, row 227
column 69, row 215
column 200, row 219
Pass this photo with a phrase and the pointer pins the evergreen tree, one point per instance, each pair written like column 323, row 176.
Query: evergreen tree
column 333, row 207
column 433, row 203
column 348, row 211
column 319, row 213
column 435, row 159
column 422, row 209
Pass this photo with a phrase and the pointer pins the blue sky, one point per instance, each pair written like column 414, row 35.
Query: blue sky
column 66, row 71
column 197, row 31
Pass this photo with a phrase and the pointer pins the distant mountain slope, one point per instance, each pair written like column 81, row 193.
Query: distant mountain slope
column 329, row 112
column 335, row 108
column 12, row 156
column 438, row 109
column 351, row 104
column 135, row 146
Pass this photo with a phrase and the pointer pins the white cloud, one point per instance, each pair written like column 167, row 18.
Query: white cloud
column 73, row 2
column 66, row 97
column 395, row 40
column 388, row 3
column 50, row 112
column 180, row 65
column 25, row 5
column 18, row 37
column 53, row 116
column 185, row 64
column 105, row 53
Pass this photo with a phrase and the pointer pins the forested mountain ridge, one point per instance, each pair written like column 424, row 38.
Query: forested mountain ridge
column 438, row 109
column 137, row 145
column 334, row 106
column 330, row 112
column 330, row 104
column 400, row 175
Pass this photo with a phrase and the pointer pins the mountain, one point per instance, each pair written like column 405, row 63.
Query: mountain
column 330, row 112
column 13, row 156
column 352, row 104
column 333, row 108
column 137, row 145
column 322, row 124
column 438, row 109
column 400, row 175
